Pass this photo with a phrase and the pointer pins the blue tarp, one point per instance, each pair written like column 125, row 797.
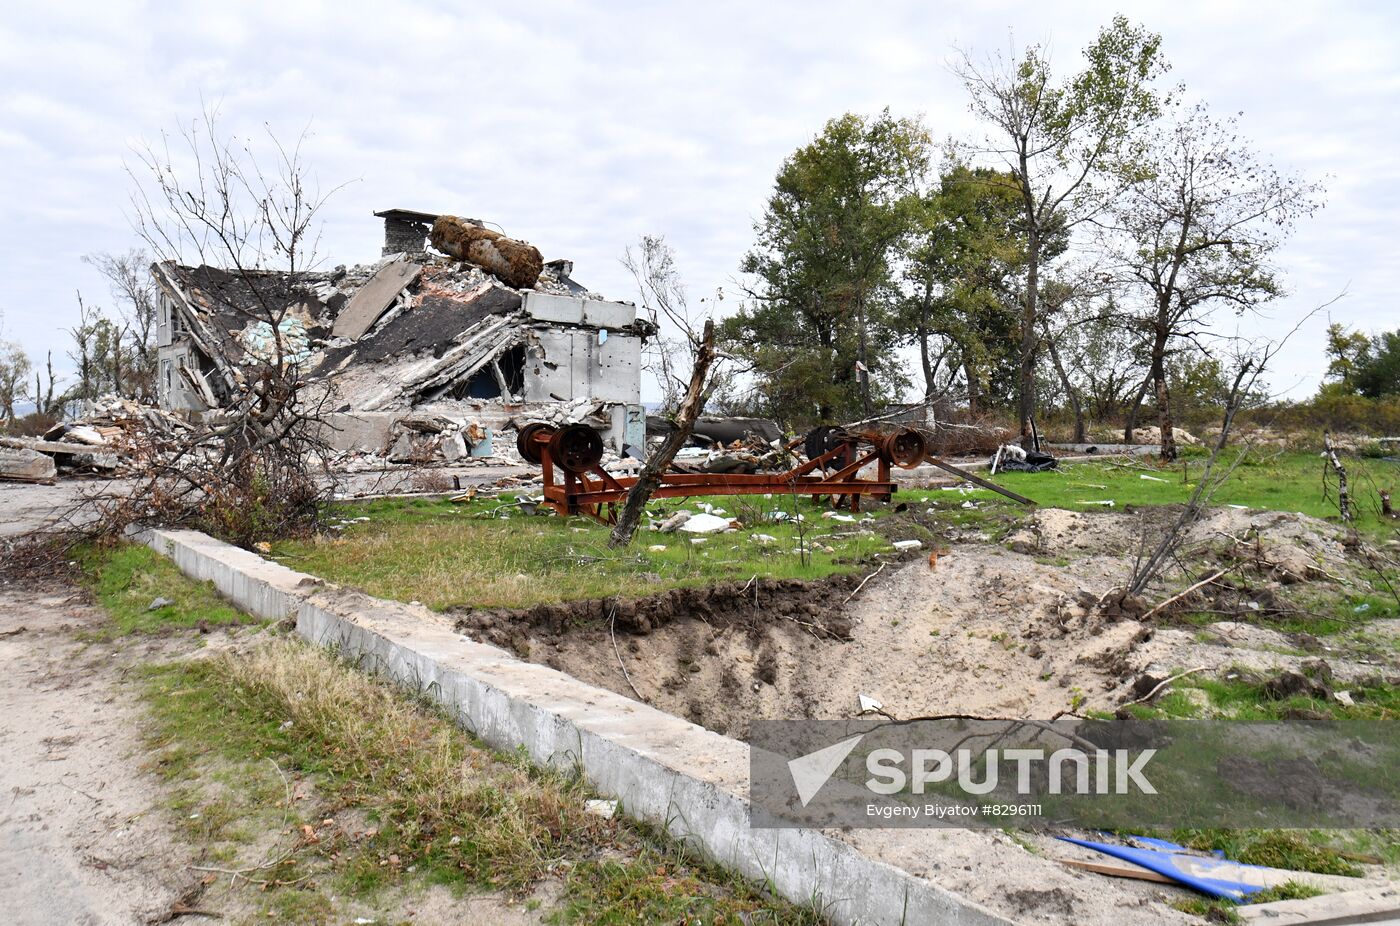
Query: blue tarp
column 1218, row 877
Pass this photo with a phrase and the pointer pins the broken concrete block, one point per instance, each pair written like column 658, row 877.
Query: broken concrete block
column 371, row 300
column 513, row 262
column 85, row 434
column 903, row 545
column 674, row 522
column 454, row 447
column 705, row 524
column 23, row 465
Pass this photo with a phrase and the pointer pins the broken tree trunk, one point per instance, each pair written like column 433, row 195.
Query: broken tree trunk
column 1343, row 494
column 650, row 477
column 513, row 262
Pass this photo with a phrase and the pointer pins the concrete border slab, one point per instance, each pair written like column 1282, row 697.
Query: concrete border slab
column 662, row 769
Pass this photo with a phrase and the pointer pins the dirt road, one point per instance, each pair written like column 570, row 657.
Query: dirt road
column 83, row 837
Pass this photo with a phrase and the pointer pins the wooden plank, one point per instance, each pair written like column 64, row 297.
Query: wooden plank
column 1119, row 870
column 370, row 301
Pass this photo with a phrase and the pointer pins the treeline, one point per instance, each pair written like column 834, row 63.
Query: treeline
column 111, row 352
column 1071, row 261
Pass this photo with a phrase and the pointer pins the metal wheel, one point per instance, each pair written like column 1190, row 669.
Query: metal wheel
column 525, row 441
column 576, row 448
column 905, row 448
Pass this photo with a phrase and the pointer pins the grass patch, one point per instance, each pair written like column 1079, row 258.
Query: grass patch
column 1293, row 850
column 488, row 554
column 127, row 578
column 1226, row 911
column 1268, row 481
column 444, row 810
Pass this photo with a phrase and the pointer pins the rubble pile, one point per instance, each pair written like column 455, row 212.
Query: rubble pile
column 114, row 437
column 481, row 329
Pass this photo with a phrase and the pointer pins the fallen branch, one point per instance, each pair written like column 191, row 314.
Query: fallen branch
column 1180, row 595
column 862, row 583
column 1165, row 682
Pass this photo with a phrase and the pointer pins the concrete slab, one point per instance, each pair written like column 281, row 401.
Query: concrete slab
column 551, row 307
column 661, row 768
column 370, row 300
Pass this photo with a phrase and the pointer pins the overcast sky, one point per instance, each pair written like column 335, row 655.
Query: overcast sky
column 582, row 126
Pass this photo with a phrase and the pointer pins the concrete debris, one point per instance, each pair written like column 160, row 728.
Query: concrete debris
column 374, row 298
column 600, row 808
column 484, row 330
column 674, row 522
column 24, row 465
column 906, row 545
column 705, row 524
column 158, row 603
column 867, row 704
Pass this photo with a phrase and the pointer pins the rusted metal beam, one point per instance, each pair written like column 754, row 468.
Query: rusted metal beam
column 979, row 481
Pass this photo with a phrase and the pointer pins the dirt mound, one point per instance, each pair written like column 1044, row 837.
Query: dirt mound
column 984, row 630
column 750, row 606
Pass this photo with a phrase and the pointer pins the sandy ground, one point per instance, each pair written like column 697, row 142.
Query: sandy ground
column 83, row 836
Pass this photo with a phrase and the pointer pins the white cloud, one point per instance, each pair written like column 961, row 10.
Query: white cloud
column 582, row 126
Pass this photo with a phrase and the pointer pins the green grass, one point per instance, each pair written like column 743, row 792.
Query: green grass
column 1225, row 911
column 441, row 808
column 1275, row 482
column 1245, row 698
column 127, row 578
column 488, row 554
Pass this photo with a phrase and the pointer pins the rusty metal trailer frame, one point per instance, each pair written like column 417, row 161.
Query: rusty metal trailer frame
column 575, row 453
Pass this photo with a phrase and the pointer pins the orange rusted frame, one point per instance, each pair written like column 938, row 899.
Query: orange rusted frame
column 578, row 494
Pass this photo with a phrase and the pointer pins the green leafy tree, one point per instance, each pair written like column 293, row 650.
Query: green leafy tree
column 819, row 331
column 1065, row 144
column 1378, row 372
column 14, row 379
column 1347, row 352
column 964, row 257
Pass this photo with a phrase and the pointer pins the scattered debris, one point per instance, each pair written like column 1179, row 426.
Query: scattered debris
column 705, row 524
column 601, row 808
column 868, row 705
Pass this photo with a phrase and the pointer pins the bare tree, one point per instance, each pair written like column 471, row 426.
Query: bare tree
column 44, row 395
column 1251, row 361
column 1062, row 143
column 1197, row 232
column 129, row 276
column 659, row 460
column 213, row 201
column 653, row 268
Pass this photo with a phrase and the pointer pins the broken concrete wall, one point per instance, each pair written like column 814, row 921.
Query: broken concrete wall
column 563, row 364
column 25, row 465
column 175, row 388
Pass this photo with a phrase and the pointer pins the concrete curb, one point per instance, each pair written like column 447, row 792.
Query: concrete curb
column 663, row 769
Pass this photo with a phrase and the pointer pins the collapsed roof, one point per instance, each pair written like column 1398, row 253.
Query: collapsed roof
column 416, row 327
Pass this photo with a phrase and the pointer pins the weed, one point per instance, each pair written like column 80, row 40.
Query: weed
column 127, row 579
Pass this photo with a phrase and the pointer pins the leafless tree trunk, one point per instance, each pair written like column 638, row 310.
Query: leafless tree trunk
column 659, row 461
column 1343, row 493
column 1073, row 393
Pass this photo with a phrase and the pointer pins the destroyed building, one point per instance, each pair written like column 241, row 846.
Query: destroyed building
column 476, row 334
